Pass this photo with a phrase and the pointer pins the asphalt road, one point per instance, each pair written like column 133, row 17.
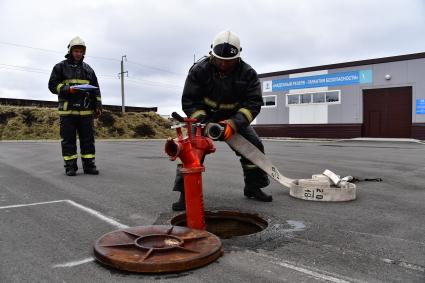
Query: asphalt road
column 49, row 222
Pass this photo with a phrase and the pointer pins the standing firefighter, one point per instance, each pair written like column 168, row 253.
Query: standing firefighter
column 223, row 88
column 76, row 107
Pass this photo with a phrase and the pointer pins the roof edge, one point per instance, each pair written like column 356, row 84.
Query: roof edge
column 346, row 64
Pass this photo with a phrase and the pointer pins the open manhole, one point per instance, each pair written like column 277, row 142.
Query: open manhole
column 227, row 224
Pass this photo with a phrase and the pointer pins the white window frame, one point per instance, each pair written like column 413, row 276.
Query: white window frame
column 311, row 100
column 270, row 106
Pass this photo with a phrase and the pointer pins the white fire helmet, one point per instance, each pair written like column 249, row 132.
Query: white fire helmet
column 226, row 45
column 76, row 41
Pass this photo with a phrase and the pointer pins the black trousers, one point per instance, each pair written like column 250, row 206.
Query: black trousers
column 254, row 177
column 69, row 127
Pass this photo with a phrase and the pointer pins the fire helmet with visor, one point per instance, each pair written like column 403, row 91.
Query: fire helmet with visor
column 76, row 41
column 226, row 46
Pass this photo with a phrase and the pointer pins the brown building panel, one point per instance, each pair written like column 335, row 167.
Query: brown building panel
column 310, row 130
column 331, row 131
column 418, row 131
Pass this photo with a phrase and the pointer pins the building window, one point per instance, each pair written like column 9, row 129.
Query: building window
column 305, row 98
column 319, row 97
column 293, row 99
column 269, row 101
column 332, row 96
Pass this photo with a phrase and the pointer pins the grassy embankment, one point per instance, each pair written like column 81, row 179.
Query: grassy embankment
column 32, row 123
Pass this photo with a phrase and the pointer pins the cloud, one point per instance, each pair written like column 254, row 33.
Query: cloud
column 161, row 38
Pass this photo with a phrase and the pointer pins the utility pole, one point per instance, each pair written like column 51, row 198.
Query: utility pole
column 121, row 74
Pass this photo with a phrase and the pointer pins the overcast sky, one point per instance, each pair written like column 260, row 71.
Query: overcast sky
column 161, row 38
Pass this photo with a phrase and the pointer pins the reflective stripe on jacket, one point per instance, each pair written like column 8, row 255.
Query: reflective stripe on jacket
column 68, row 73
column 236, row 96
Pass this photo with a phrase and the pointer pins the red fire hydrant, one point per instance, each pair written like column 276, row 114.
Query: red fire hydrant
column 191, row 151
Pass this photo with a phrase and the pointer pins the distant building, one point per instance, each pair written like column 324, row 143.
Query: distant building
column 383, row 97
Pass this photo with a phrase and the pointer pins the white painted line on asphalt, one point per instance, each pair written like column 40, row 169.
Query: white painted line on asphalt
column 74, row 263
column 316, row 274
column 77, row 205
column 98, row 215
column 81, row 207
column 30, row 204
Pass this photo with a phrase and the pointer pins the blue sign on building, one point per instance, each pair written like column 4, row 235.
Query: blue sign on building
column 336, row 79
column 420, row 106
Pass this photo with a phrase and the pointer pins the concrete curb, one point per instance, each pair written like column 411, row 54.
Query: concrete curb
column 289, row 139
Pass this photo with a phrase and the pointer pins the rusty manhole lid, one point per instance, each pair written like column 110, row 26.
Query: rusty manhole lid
column 157, row 248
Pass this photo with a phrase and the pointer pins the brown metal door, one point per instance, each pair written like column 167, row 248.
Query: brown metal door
column 387, row 112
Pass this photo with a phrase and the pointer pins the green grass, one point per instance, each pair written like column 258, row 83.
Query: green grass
column 32, row 123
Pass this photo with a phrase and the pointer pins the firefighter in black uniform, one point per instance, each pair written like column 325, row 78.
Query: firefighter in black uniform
column 77, row 108
column 223, row 88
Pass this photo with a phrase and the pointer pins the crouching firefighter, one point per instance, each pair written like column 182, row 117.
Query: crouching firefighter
column 77, row 108
column 223, row 89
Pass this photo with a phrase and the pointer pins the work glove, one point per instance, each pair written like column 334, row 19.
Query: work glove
column 73, row 90
column 98, row 109
column 97, row 112
column 65, row 90
column 228, row 131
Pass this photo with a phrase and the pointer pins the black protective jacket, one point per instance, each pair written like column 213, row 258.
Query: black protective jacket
column 66, row 74
column 235, row 97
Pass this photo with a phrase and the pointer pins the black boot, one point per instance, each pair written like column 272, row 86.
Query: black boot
column 180, row 205
column 71, row 167
column 89, row 167
column 254, row 181
column 257, row 194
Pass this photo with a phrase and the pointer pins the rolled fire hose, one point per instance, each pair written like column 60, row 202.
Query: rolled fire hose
column 316, row 189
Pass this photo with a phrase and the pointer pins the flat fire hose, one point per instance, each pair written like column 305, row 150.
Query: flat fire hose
column 250, row 152
column 316, row 189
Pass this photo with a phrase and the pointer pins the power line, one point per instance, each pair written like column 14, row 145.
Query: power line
column 52, row 51
column 153, row 83
column 89, row 56
column 30, row 47
column 40, row 71
column 134, row 80
column 153, row 68
column 36, row 70
column 26, row 69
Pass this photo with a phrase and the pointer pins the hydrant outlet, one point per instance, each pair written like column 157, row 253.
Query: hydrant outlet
column 172, row 149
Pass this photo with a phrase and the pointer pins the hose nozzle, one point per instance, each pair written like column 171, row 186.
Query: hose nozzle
column 214, row 131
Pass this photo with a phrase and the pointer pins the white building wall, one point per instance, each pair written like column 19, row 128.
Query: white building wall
column 308, row 114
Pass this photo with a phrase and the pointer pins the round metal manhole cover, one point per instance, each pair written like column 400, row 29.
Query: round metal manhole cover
column 157, row 248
